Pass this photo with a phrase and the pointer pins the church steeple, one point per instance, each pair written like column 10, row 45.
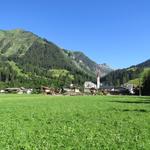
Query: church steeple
column 98, row 78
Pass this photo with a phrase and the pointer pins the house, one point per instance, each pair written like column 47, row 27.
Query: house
column 47, row 90
column 130, row 87
column 76, row 90
column 72, row 90
column 21, row 90
column 88, row 86
column 2, row 91
column 28, row 91
column 119, row 91
column 14, row 90
column 106, row 90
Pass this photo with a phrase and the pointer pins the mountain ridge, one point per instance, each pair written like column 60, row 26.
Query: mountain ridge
column 122, row 76
column 36, row 56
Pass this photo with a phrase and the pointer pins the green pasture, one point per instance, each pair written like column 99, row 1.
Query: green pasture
column 37, row 122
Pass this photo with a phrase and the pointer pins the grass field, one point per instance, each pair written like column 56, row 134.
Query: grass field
column 37, row 122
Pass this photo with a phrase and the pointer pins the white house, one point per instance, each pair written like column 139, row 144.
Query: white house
column 89, row 85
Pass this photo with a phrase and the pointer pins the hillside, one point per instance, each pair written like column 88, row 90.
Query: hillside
column 35, row 57
column 105, row 69
column 127, row 75
column 86, row 64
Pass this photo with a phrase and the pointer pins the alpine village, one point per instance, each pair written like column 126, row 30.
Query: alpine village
column 30, row 64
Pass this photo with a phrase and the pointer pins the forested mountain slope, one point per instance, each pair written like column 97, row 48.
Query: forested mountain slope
column 36, row 58
column 131, row 74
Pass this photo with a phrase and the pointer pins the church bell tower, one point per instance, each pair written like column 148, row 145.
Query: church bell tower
column 98, row 78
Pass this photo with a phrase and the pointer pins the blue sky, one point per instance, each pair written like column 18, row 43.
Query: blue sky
column 116, row 32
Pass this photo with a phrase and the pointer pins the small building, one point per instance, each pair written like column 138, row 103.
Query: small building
column 72, row 89
column 88, row 85
column 2, row 91
column 14, row 90
column 47, row 90
column 28, row 91
column 106, row 90
column 130, row 87
column 120, row 91
column 21, row 90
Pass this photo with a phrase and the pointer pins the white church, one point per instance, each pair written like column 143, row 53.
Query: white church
column 90, row 85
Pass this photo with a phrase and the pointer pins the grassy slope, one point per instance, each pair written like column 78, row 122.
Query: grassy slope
column 44, row 122
column 15, row 41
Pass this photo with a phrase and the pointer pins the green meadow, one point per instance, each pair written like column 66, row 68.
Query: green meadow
column 37, row 122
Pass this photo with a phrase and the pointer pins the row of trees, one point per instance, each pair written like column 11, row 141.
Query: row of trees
column 146, row 83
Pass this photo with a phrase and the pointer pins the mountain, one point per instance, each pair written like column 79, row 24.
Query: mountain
column 127, row 75
column 143, row 64
column 105, row 69
column 84, row 63
column 26, row 58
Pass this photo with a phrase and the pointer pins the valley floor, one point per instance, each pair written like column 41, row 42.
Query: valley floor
column 29, row 122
